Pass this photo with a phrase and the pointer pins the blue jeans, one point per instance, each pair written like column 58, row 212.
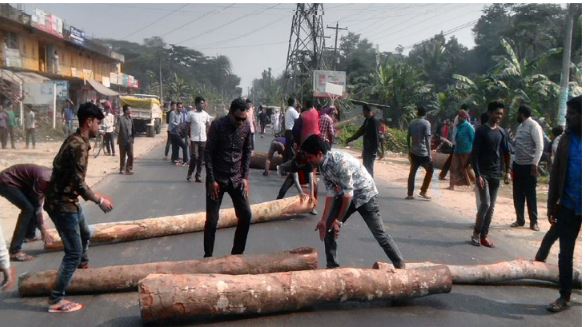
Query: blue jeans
column 74, row 232
column 487, row 203
column 371, row 215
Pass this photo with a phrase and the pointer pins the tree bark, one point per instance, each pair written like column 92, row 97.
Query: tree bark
column 126, row 277
column 182, row 297
column 496, row 273
column 132, row 230
column 258, row 161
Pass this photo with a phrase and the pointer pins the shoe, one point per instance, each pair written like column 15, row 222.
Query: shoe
column 121, row 172
column 424, row 196
column 475, row 240
column 129, row 173
column 188, row 179
column 487, row 243
column 516, row 224
column 198, row 180
column 265, row 173
column 535, row 227
column 410, row 197
column 558, row 305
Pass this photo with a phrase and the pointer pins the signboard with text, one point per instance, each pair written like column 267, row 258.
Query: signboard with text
column 76, row 35
column 329, row 84
column 47, row 22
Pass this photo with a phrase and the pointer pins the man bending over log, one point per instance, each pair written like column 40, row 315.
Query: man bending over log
column 62, row 203
column 227, row 161
column 350, row 188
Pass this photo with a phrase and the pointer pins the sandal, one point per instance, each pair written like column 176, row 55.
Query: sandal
column 559, row 305
column 65, row 306
column 20, row 256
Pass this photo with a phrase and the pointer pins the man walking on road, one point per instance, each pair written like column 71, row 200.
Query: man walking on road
column 490, row 146
column 564, row 199
column 461, row 152
column 350, row 188
column 12, row 125
column 68, row 117
column 290, row 116
column 175, row 126
column 227, row 162
column 108, row 125
column 3, row 126
column 200, row 121
column 125, row 132
column 418, row 139
column 529, row 146
column 168, row 118
column 30, row 125
column 369, row 130
column 62, row 203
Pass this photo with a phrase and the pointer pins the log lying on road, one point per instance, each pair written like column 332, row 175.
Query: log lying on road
column 498, row 272
column 126, row 277
column 132, row 230
column 258, row 160
column 183, row 297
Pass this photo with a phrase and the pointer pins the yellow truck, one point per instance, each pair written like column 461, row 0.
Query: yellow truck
column 146, row 112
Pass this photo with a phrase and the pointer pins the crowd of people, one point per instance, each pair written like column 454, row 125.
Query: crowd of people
column 225, row 146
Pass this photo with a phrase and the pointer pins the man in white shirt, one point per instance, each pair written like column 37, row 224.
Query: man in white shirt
column 200, row 121
column 252, row 121
column 290, row 116
column 529, row 146
column 108, row 126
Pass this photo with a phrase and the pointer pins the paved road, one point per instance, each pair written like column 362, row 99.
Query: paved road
column 423, row 231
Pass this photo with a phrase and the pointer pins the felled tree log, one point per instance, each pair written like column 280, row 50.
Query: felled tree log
column 498, row 272
column 182, row 297
column 258, row 160
column 132, row 230
column 126, row 277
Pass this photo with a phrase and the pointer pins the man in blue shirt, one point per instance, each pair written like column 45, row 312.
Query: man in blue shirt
column 564, row 200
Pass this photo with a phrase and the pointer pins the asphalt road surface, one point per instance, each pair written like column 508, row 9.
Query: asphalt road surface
column 423, row 231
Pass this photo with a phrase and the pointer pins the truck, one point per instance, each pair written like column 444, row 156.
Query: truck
column 146, row 112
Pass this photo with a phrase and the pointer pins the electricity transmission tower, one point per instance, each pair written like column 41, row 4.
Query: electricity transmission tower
column 305, row 49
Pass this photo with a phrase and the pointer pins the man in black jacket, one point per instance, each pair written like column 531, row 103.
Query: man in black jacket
column 369, row 130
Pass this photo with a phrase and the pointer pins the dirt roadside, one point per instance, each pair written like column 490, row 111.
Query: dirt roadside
column 98, row 168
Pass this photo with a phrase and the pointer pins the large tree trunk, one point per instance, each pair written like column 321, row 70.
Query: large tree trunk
column 126, row 277
column 180, row 297
column 258, row 161
column 498, row 272
column 132, row 230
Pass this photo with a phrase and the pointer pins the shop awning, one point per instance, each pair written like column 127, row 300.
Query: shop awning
column 32, row 78
column 101, row 89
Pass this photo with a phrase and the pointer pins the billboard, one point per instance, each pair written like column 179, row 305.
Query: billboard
column 76, row 36
column 329, row 84
column 47, row 22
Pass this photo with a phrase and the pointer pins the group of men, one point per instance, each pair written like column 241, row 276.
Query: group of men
column 9, row 124
column 350, row 186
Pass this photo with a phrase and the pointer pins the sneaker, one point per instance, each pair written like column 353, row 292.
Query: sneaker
column 516, row 224
column 475, row 240
column 558, row 305
column 535, row 227
column 487, row 243
column 409, row 197
column 424, row 196
column 188, row 179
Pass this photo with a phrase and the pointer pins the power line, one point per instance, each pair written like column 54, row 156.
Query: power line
column 245, row 45
column 158, row 20
column 450, row 31
column 197, row 19
column 244, row 34
column 224, row 25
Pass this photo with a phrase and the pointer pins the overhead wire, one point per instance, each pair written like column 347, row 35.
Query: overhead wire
column 158, row 20
column 197, row 19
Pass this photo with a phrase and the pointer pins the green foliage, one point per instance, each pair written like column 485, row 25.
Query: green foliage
column 395, row 140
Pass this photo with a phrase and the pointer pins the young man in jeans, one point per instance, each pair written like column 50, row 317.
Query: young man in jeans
column 350, row 188
column 418, row 140
column 62, row 203
column 227, row 161
column 490, row 146
column 564, row 200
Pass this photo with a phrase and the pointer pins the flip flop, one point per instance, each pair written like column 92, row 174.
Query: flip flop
column 21, row 256
column 65, row 307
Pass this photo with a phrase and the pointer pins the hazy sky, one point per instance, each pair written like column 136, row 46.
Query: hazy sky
column 255, row 36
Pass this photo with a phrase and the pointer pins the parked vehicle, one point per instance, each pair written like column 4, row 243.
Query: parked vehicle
column 146, row 112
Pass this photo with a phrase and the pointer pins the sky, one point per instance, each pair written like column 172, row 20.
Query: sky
column 255, row 36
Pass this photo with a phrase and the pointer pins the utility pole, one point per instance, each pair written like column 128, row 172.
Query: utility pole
column 336, row 28
column 160, row 78
column 564, row 92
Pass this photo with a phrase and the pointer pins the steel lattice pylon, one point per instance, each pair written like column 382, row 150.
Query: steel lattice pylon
column 305, row 48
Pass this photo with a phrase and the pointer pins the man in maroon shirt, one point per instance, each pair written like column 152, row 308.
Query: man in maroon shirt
column 24, row 186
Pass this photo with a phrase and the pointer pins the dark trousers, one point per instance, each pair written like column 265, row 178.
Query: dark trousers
column 3, row 136
column 243, row 213
column 197, row 153
column 11, row 134
column 187, row 141
column 568, row 225
column 288, row 149
column 446, row 166
column 74, row 232
column 487, row 203
column 524, row 189
column 177, row 142
column 415, row 163
column 30, row 136
column 368, row 160
column 109, row 143
column 371, row 215
column 288, row 183
column 547, row 242
column 168, row 145
column 126, row 156
column 26, row 218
